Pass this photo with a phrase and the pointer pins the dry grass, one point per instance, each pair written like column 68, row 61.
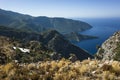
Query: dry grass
column 61, row 70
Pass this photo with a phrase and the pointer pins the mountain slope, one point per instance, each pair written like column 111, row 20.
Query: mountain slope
column 110, row 49
column 74, row 36
column 39, row 24
column 18, row 34
column 58, row 43
column 50, row 39
column 37, row 52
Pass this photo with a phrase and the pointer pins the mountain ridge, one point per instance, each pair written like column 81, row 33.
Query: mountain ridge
column 41, row 23
column 52, row 39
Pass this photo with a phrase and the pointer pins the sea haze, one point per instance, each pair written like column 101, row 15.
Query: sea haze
column 102, row 28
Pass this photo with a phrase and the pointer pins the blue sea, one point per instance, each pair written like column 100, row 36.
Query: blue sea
column 103, row 28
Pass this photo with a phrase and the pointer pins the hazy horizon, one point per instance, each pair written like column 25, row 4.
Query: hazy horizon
column 64, row 8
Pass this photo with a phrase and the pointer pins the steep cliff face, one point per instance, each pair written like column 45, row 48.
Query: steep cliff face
column 110, row 49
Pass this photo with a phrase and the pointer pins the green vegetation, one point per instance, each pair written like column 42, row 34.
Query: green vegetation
column 51, row 40
column 101, row 51
column 117, row 53
column 46, row 61
column 39, row 24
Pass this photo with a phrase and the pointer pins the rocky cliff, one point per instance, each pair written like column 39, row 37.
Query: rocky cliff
column 110, row 49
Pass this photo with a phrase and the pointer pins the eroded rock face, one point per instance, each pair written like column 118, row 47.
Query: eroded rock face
column 109, row 49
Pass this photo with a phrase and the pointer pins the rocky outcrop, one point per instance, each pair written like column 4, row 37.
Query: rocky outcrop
column 110, row 48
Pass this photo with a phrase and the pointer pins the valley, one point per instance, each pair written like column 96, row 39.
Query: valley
column 44, row 48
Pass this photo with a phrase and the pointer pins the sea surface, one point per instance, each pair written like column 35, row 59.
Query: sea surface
column 103, row 28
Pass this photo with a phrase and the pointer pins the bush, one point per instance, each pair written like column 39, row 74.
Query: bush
column 117, row 53
column 101, row 51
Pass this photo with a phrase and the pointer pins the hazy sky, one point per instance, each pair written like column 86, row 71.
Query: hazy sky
column 64, row 8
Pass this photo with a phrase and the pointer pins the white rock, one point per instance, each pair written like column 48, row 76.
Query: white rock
column 93, row 72
column 22, row 49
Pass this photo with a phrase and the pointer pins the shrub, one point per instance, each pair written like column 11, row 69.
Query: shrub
column 117, row 53
column 101, row 51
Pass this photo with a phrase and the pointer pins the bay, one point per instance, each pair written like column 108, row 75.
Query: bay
column 102, row 28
